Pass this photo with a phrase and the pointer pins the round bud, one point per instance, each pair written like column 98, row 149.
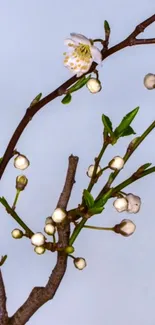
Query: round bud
column 134, row 203
column 149, row 81
column 21, row 162
column 94, row 85
column 39, row 250
column 69, row 249
column 17, row 233
column 125, row 228
column 116, row 163
column 120, row 204
column 91, row 170
column 38, row 239
column 49, row 220
column 49, row 229
column 58, row 215
column 80, row 263
column 21, row 182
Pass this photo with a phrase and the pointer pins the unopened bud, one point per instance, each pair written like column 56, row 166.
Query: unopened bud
column 49, row 220
column 125, row 228
column 21, row 162
column 134, row 203
column 39, row 250
column 149, row 81
column 21, row 182
column 91, row 170
column 69, row 249
column 17, row 233
column 120, row 204
column 58, row 215
column 94, row 85
column 80, row 263
column 116, row 163
column 38, row 239
column 49, row 229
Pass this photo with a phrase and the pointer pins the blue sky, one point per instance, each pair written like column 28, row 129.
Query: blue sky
column 118, row 285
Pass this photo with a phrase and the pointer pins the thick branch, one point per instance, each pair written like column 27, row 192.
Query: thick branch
column 130, row 40
column 40, row 295
column 3, row 310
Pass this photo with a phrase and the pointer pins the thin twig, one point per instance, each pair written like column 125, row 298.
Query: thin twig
column 31, row 111
column 40, row 295
column 3, row 310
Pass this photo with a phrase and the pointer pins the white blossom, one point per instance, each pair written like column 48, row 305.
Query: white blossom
column 21, row 162
column 80, row 263
column 58, row 215
column 120, row 204
column 93, row 85
column 116, row 163
column 134, row 203
column 38, row 239
column 81, row 53
column 149, row 81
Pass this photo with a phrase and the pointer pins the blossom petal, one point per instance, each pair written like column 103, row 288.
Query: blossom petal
column 96, row 54
column 79, row 38
column 68, row 41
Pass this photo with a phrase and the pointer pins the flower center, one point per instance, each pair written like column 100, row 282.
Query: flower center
column 83, row 51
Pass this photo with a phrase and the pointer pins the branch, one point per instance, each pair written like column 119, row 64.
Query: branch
column 31, row 111
column 40, row 295
column 3, row 310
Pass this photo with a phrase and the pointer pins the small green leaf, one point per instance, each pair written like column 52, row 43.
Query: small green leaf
column 106, row 26
column 79, row 84
column 67, row 99
column 107, row 124
column 95, row 210
column 88, row 199
column 128, row 131
column 143, row 167
column 36, row 99
column 126, row 121
column 102, row 201
column 3, row 259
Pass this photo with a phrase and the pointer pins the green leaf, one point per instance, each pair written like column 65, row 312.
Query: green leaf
column 79, row 84
column 126, row 121
column 102, row 201
column 107, row 124
column 36, row 99
column 106, row 26
column 89, row 200
column 128, row 131
column 67, row 99
column 95, row 210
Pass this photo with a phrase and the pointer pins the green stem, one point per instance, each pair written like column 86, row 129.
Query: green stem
column 15, row 216
column 98, row 228
column 16, row 199
column 97, row 161
column 128, row 154
column 54, row 239
column 77, row 231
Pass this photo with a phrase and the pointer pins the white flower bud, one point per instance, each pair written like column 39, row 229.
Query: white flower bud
column 21, row 162
column 39, row 250
column 58, row 215
column 134, row 203
column 116, row 163
column 49, row 229
column 17, row 233
column 91, row 170
column 21, row 182
column 149, row 81
column 80, row 263
column 94, row 85
column 125, row 228
column 120, row 204
column 38, row 239
column 48, row 220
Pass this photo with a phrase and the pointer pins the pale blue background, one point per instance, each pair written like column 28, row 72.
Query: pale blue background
column 118, row 286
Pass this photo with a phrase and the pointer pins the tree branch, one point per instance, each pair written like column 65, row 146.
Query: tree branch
column 3, row 310
column 31, row 111
column 40, row 295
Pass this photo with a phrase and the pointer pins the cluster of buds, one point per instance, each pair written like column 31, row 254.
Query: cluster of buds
column 130, row 203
